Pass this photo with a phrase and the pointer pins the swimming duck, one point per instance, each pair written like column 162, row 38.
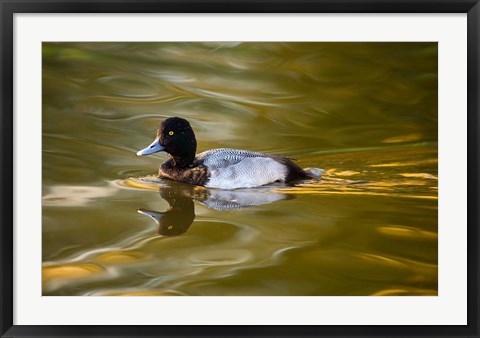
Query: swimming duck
column 218, row 168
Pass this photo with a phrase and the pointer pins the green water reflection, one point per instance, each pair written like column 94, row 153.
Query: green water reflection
column 364, row 112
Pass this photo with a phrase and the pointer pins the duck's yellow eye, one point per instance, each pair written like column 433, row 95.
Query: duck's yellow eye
column 170, row 133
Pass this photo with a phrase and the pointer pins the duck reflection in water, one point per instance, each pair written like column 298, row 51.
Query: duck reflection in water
column 181, row 213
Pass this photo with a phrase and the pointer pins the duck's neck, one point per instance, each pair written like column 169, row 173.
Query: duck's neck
column 183, row 161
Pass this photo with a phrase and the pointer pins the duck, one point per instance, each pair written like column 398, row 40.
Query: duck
column 221, row 168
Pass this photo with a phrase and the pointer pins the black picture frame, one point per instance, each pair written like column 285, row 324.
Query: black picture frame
column 10, row 7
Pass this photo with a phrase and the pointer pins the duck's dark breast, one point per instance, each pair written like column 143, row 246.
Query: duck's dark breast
column 197, row 175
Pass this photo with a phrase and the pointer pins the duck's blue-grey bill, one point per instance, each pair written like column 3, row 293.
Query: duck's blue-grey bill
column 152, row 148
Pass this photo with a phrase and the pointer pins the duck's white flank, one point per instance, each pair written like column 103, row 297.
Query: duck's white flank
column 233, row 169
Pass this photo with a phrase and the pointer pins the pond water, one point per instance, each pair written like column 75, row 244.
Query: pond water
column 366, row 113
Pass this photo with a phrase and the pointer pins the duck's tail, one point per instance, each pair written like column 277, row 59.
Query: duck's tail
column 314, row 172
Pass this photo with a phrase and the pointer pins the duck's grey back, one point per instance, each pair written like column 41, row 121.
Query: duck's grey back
column 223, row 157
column 233, row 168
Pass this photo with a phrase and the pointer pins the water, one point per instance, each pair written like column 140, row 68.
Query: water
column 364, row 112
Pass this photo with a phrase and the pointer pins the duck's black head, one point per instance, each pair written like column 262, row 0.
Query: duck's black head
column 176, row 137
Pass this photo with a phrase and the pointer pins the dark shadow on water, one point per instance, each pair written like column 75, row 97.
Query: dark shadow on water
column 181, row 213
